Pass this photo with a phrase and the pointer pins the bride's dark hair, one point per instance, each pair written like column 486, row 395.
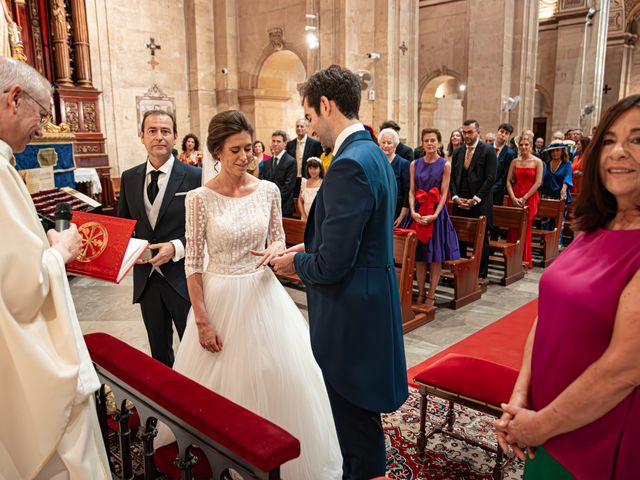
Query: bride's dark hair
column 222, row 126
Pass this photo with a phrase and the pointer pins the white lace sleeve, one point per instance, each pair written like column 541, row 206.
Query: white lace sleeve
column 276, row 231
column 195, row 231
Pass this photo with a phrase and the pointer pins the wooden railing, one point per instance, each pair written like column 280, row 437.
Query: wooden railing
column 229, row 437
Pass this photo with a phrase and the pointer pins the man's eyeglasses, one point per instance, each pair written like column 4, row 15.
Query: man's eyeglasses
column 45, row 113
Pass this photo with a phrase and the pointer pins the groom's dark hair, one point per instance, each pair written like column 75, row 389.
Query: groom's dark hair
column 223, row 125
column 336, row 83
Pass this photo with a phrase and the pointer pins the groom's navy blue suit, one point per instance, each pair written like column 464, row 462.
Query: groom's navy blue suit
column 354, row 306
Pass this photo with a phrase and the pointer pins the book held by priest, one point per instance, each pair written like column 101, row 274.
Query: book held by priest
column 108, row 250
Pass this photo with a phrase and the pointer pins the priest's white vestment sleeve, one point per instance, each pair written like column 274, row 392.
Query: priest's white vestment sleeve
column 47, row 379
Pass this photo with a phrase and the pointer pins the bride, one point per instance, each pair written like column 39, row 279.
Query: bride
column 245, row 338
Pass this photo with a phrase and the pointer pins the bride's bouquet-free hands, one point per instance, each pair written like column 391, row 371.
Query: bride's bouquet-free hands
column 272, row 251
column 209, row 338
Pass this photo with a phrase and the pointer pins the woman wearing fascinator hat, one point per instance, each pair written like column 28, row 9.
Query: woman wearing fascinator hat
column 558, row 178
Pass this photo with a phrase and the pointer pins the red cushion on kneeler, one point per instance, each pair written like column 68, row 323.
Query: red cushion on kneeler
column 472, row 377
column 166, row 456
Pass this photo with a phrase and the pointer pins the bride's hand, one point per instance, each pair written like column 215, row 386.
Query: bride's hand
column 269, row 253
column 209, row 338
column 299, row 248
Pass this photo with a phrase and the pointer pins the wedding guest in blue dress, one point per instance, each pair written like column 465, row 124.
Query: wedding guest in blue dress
column 388, row 139
column 426, row 173
column 557, row 180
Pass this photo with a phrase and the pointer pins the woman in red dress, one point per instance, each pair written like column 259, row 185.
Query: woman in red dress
column 525, row 177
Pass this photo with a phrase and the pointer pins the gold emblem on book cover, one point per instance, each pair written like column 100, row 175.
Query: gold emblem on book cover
column 94, row 241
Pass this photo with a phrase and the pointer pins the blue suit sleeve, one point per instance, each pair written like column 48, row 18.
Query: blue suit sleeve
column 348, row 203
column 568, row 174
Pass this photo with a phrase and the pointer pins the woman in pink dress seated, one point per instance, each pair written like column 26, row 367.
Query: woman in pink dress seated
column 526, row 172
column 576, row 404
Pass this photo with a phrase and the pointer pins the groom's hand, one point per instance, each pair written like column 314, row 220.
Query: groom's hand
column 283, row 265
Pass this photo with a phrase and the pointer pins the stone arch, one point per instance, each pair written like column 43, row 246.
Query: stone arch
column 441, row 101
column 542, row 112
column 274, row 97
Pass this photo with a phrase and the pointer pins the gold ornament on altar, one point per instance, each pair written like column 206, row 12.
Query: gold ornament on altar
column 94, row 241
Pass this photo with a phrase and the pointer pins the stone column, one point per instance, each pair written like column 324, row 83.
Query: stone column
column 579, row 64
column 61, row 57
column 523, row 74
column 82, row 62
column 225, row 27
column 201, row 66
column 491, row 53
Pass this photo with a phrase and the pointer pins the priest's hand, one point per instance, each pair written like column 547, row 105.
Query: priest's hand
column 68, row 242
column 166, row 251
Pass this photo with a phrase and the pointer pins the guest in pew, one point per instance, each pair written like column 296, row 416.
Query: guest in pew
column 310, row 185
column 558, row 179
column 389, row 140
column 455, row 141
column 326, row 158
column 576, row 403
column 257, row 354
column 191, row 154
column 259, row 152
column 430, row 176
column 576, row 164
column 526, row 172
column 473, row 171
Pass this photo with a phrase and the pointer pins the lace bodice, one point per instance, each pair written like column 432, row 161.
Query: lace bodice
column 231, row 228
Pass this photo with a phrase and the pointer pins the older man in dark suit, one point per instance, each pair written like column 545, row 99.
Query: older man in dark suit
column 473, row 171
column 281, row 170
column 153, row 193
column 302, row 148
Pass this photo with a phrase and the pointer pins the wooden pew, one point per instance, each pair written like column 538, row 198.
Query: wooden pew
column 569, row 231
column 510, row 217
column 549, row 239
column 465, row 270
column 404, row 257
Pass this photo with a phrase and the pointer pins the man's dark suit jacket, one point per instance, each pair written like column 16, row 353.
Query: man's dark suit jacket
column 481, row 175
column 170, row 224
column 355, row 320
column 284, row 177
column 312, row 148
column 405, row 152
column 507, row 154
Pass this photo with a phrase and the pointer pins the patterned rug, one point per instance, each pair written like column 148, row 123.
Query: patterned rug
column 446, row 457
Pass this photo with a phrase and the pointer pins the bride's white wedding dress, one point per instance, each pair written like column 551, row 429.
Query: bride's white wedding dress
column 266, row 363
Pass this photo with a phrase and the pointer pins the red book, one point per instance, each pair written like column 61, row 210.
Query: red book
column 108, row 251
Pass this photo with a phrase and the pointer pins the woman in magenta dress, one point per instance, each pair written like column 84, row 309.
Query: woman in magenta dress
column 431, row 171
column 526, row 172
column 576, row 402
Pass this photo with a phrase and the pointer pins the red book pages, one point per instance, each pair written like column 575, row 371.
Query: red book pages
column 108, row 251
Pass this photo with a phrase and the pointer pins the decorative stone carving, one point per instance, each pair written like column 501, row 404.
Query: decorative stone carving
column 154, row 99
column 89, row 112
column 570, row 4
column 276, row 38
column 616, row 21
column 72, row 116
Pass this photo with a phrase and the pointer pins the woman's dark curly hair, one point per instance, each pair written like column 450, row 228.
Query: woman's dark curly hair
column 195, row 140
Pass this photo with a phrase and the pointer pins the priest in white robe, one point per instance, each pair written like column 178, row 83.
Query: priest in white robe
column 48, row 422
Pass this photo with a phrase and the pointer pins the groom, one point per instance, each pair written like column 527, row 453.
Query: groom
column 347, row 268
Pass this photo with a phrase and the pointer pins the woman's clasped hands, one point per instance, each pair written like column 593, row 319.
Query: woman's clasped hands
column 520, row 428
